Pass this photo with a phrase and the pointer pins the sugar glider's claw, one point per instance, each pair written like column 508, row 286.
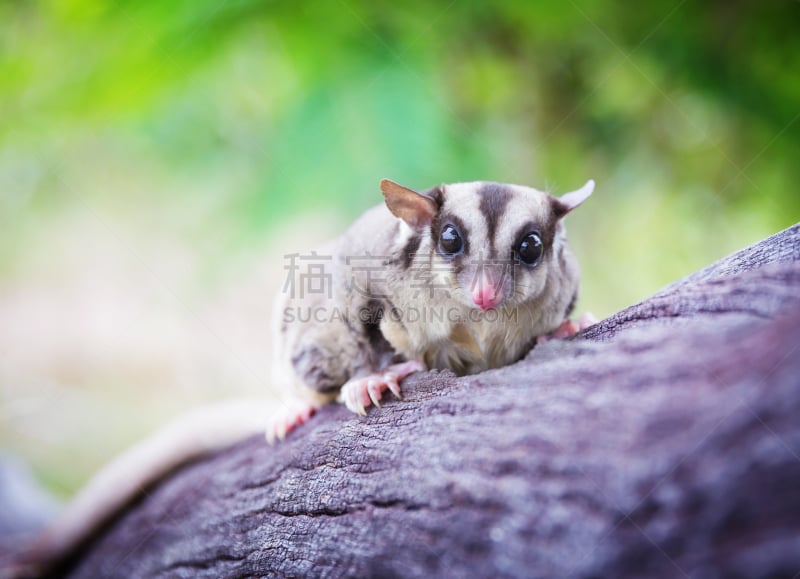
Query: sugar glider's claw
column 351, row 395
column 360, row 393
column 374, row 391
column 361, row 396
column 289, row 417
column 275, row 430
column 392, row 384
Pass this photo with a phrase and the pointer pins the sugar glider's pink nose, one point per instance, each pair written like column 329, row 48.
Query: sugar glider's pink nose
column 486, row 294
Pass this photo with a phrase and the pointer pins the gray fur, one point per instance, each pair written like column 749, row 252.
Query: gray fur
column 419, row 300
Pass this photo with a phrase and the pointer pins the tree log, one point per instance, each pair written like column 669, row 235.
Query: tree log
column 663, row 441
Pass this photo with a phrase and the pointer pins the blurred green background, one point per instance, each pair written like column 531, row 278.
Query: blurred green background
column 158, row 158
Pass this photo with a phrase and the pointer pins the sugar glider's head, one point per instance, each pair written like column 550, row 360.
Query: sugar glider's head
column 497, row 244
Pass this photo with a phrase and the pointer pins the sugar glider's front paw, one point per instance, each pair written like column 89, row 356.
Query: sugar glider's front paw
column 569, row 328
column 290, row 416
column 359, row 393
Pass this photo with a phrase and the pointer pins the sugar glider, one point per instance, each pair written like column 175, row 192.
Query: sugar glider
column 464, row 277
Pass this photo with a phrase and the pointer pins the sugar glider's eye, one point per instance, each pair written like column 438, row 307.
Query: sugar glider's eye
column 530, row 248
column 450, row 240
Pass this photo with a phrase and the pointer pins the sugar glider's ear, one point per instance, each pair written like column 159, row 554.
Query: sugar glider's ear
column 416, row 209
column 569, row 201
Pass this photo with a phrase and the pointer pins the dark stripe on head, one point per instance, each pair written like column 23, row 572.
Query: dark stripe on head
column 410, row 250
column 494, row 200
column 437, row 194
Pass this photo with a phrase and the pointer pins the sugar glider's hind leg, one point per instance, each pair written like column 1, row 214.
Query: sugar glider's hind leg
column 292, row 412
column 302, row 371
column 319, row 357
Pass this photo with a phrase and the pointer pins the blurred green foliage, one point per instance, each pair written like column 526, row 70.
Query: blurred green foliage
column 216, row 121
column 684, row 113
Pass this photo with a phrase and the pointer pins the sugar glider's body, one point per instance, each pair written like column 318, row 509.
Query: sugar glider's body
column 463, row 277
column 395, row 295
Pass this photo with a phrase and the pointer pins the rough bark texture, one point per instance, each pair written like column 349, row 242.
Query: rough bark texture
column 664, row 441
